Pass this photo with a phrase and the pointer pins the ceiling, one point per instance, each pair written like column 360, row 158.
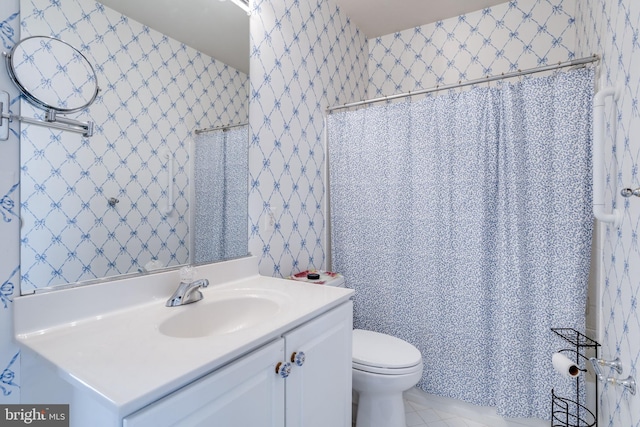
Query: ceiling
column 218, row 28
column 221, row 29
column 380, row 17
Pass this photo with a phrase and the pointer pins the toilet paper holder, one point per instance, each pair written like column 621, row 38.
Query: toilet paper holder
column 567, row 366
column 628, row 383
column 568, row 412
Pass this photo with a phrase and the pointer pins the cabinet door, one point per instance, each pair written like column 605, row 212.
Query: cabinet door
column 242, row 394
column 318, row 393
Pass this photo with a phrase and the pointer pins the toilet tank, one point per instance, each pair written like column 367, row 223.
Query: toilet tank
column 327, row 278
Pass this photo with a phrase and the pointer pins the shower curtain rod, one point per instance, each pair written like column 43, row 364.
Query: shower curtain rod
column 223, row 128
column 487, row 79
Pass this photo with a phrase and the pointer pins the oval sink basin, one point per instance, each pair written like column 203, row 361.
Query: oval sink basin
column 220, row 316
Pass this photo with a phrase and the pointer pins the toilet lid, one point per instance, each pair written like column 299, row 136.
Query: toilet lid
column 383, row 351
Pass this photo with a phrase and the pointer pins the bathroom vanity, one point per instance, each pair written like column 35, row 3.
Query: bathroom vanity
column 255, row 351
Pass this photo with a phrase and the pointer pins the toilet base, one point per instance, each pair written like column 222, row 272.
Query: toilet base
column 380, row 383
column 380, row 410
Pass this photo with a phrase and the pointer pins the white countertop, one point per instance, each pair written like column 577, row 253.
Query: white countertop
column 104, row 338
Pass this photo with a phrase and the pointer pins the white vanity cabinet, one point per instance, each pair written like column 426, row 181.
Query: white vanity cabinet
column 249, row 392
column 105, row 350
column 318, row 393
column 245, row 393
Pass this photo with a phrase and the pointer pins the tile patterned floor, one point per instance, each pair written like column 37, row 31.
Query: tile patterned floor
column 419, row 415
column 424, row 410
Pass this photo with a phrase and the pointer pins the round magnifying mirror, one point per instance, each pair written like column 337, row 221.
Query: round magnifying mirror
column 52, row 74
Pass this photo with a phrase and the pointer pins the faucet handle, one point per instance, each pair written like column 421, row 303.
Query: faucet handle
column 192, row 293
column 187, row 293
column 187, row 273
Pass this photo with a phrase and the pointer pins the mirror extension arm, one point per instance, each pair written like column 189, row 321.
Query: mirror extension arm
column 52, row 121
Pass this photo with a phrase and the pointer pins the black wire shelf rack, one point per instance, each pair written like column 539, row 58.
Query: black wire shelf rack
column 566, row 412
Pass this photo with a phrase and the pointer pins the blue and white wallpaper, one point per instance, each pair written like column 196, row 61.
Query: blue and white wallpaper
column 9, row 221
column 514, row 35
column 611, row 27
column 154, row 93
column 305, row 56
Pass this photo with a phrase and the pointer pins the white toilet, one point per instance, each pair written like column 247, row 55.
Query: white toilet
column 383, row 368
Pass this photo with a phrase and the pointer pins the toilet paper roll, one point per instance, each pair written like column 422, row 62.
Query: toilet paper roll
column 565, row 366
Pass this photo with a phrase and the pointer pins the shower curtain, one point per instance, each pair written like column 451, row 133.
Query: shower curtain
column 220, row 179
column 463, row 223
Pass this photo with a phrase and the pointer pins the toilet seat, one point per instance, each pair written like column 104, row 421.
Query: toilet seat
column 379, row 353
column 387, row 371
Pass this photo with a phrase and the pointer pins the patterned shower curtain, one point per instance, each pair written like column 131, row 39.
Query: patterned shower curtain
column 463, row 223
column 221, row 179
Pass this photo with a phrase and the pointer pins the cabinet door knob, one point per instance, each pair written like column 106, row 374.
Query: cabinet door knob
column 298, row 358
column 283, row 369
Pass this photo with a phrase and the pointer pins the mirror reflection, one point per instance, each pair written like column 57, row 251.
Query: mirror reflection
column 52, row 74
column 128, row 199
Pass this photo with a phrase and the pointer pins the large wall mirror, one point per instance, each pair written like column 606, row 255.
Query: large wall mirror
column 158, row 184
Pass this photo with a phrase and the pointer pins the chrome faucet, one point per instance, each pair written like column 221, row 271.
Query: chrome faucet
column 187, row 293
